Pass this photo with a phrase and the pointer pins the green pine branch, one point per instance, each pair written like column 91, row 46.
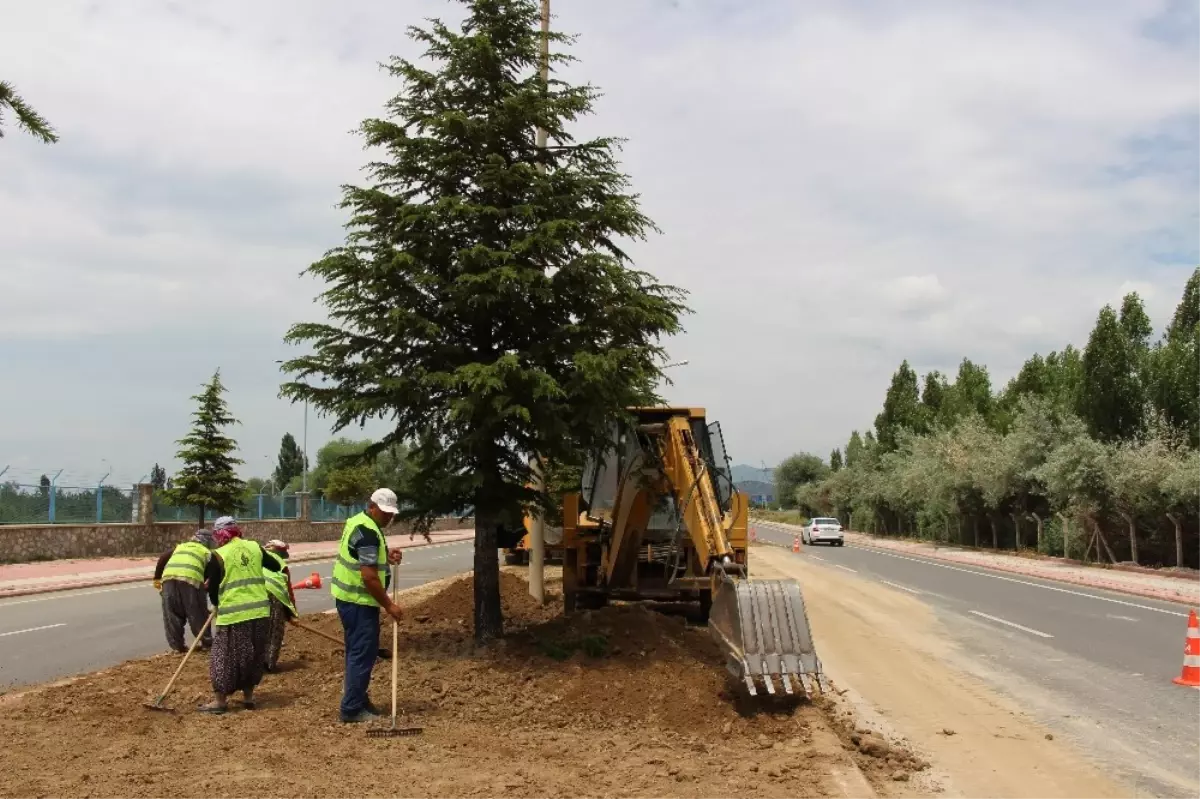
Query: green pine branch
column 28, row 119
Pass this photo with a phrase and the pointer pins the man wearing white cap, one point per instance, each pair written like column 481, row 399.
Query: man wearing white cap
column 359, row 588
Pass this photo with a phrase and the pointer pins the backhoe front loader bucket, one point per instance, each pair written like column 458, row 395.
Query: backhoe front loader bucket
column 763, row 628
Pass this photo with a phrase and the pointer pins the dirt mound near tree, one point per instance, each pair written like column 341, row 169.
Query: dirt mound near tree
column 618, row 701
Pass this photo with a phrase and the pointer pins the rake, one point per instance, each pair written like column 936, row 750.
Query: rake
column 394, row 731
column 157, row 704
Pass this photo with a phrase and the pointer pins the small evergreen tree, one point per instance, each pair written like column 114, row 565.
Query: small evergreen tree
column 1113, row 403
column 482, row 303
column 290, row 463
column 207, row 480
column 901, row 408
column 158, row 477
column 835, row 460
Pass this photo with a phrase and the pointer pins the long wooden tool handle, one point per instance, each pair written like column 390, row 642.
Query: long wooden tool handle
column 314, row 631
column 395, row 640
column 191, row 649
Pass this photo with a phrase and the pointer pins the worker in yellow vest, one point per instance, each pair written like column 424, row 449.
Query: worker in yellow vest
column 282, row 598
column 179, row 577
column 238, row 590
column 359, row 588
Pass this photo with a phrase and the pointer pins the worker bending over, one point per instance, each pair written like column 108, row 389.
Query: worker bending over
column 238, row 591
column 359, row 590
column 179, row 577
column 282, row 598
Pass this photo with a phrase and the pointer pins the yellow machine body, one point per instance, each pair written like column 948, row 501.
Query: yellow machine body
column 658, row 519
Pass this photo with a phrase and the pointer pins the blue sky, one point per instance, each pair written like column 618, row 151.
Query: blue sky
column 841, row 185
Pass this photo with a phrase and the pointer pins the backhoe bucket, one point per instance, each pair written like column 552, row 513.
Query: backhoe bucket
column 763, row 628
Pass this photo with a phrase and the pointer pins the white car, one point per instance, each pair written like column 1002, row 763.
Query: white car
column 823, row 530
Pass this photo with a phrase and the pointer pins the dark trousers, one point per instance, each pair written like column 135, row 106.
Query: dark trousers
column 360, row 628
column 184, row 603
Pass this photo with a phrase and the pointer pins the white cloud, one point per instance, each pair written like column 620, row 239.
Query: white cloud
column 841, row 185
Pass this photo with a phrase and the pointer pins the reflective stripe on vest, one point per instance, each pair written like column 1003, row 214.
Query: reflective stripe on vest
column 187, row 563
column 277, row 583
column 346, row 583
column 243, row 592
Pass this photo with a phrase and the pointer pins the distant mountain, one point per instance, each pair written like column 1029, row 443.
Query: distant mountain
column 755, row 488
column 743, row 473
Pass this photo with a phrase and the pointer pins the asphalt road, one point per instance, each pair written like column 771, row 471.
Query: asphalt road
column 50, row 636
column 1082, row 659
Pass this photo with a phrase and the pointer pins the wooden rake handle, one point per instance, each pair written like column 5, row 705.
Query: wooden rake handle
column 191, row 649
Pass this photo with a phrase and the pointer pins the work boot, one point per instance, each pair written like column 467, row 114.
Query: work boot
column 360, row 717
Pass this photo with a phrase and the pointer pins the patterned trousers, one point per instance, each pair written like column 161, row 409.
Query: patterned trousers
column 279, row 617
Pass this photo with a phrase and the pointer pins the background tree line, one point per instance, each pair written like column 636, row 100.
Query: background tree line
column 1091, row 454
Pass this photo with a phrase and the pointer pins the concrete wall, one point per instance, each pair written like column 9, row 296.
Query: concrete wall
column 22, row 543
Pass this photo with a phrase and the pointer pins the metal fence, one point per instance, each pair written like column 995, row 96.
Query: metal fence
column 39, row 504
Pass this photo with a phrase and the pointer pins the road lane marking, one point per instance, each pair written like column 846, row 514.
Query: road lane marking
column 34, row 629
column 1122, row 618
column 68, row 595
column 816, row 557
column 847, row 568
column 1025, row 582
column 1012, row 624
column 901, row 587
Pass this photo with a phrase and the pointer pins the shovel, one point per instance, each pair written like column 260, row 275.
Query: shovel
column 157, row 704
column 394, row 731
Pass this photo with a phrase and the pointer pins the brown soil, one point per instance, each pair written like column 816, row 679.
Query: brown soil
column 622, row 701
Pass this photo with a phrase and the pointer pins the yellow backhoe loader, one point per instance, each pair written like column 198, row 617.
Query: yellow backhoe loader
column 658, row 519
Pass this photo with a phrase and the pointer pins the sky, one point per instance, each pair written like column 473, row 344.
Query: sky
column 841, row 185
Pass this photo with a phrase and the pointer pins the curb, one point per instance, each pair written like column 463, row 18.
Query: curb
column 56, row 587
column 1144, row 593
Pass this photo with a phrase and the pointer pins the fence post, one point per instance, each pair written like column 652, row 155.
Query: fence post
column 53, row 493
column 143, row 505
column 99, row 503
column 260, row 499
column 303, row 509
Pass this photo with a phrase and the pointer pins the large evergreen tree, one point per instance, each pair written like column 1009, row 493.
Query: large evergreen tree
column 207, row 480
column 901, row 408
column 290, row 463
column 28, row 119
column 1175, row 366
column 1113, row 404
column 483, row 292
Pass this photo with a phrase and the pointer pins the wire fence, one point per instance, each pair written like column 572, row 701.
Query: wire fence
column 22, row 503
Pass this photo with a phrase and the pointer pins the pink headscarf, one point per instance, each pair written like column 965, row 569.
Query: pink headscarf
column 224, row 529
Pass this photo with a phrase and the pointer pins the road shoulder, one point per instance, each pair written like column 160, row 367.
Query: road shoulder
column 894, row 657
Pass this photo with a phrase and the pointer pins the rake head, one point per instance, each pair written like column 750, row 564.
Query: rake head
column 394, row 732
column 159, row 707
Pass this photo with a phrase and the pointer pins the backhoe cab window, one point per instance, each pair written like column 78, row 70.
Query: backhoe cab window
column 712, row 449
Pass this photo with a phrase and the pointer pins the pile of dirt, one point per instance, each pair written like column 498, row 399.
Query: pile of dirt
column 622, row 701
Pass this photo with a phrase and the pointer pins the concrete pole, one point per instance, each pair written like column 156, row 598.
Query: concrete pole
column 537, row 530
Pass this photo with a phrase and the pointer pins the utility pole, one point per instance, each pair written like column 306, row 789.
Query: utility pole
column 537, row 532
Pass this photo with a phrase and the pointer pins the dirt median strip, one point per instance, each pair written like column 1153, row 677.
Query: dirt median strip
column 28, row 590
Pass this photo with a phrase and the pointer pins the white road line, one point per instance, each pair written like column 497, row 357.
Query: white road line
column 34, row 629
column 816, row 557
column 1122, row 618
column 1027, row 582
column 68, row 595
column 1012, row 624
column 847, row 568
column 901, row 587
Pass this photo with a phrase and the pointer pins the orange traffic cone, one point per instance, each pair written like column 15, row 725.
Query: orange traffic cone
column 796, row 544
column 1190, row 676
column 313, row 581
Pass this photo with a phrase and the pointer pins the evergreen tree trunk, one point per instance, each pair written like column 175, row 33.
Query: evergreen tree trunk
column 1038, row 520
column 1016, row 530
column 202, row 509
column 1178, row 539
column 489, row 622
column 1133, row 550
column 975, row 527
column 995, row 532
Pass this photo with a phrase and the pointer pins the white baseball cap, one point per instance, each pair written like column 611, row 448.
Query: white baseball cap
column 385, row 500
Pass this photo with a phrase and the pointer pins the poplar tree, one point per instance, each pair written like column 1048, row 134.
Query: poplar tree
column 483, row 304
column 207, row 480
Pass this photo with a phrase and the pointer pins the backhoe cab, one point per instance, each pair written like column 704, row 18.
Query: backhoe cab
column 658, row 519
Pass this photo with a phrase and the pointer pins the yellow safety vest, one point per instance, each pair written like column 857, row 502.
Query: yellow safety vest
column 187, row 563
column 243, row 592
column 347, row 583
column 277, row 583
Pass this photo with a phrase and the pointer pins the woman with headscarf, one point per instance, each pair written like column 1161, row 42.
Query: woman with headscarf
column 242, row 628
column 283, row 600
